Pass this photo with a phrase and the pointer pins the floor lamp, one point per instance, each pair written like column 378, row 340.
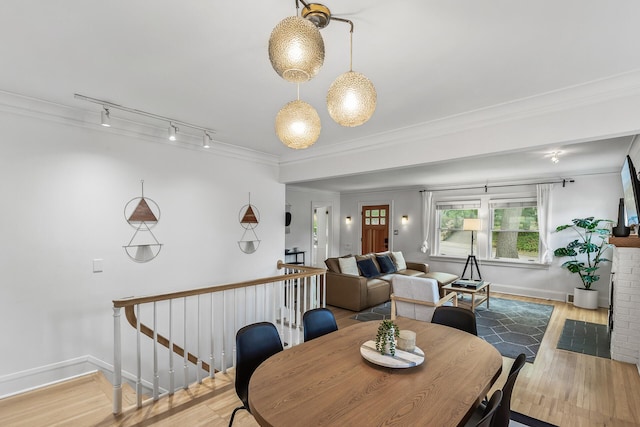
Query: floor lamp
column 471, row 224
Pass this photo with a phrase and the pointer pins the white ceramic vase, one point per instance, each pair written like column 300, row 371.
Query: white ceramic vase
column 585, row 298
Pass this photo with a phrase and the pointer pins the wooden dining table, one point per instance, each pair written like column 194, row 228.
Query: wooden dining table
column 327, row 382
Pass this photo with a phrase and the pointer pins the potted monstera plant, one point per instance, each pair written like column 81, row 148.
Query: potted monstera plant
column 585, row 254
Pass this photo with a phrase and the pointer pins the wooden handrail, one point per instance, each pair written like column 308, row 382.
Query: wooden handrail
column 130, row 303
column 306, row 272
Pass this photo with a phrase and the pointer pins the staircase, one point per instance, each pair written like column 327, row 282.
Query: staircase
column 87, row 401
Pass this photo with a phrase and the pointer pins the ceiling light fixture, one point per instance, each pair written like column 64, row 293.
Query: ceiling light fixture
column 296, row 52
column 172, row 132
column 298, row 124
column 107, row 106
column 206, row 140
column 105, row 119
column 554, row 157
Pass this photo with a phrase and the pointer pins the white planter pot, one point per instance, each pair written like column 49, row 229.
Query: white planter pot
column 585, row 298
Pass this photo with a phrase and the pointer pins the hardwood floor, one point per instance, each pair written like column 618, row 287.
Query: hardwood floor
column 561, row 387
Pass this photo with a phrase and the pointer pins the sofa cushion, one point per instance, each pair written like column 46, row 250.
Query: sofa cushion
column 368, row 268
column 348, row 266
column 370, row 256
column 410, row 272
column 385, row 263
column 398, row 258
column 332, row 264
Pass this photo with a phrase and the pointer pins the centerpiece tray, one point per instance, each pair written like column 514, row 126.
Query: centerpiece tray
column 402, row 359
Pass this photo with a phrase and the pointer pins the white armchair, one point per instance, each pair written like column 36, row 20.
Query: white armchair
column 417, row 297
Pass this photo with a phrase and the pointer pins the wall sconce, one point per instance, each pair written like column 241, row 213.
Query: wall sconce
column 405, row 220
column 347, row 220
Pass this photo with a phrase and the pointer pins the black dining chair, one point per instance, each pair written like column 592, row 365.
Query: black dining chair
column 318, row 322
column 456, row 317
column 490, row 409
column 503, row 414
column 255, row 343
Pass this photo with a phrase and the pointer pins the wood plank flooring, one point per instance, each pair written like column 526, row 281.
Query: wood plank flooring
column 561, row 387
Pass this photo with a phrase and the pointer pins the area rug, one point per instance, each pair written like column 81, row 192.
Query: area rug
column 511, row 326
column 514, row 327
column 586, row 338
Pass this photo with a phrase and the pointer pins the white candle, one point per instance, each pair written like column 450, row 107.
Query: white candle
column 407, row 340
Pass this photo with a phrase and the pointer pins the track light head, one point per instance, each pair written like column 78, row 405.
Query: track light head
column 206, row 140
column 105, row 119
column 172, row 132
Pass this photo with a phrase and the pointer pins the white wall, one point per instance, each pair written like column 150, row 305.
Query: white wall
column 591, row 195
column 64, row 185
column 302, row 202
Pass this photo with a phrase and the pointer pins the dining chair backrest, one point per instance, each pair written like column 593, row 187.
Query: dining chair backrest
column 255, row 343
column 503, row 414
column 318, row 322
column 490, row 409
column 456, row 317
column 416, row 297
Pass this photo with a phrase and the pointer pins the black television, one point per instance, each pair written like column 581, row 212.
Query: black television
column 631, row 188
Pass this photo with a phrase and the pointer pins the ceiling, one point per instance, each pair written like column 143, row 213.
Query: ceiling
column 206, row 63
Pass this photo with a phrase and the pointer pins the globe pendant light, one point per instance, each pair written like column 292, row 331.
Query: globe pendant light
column 298, row 125
column 296, row 49
column 351, row 99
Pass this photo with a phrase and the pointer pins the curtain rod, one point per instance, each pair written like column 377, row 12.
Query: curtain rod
column 486, row 187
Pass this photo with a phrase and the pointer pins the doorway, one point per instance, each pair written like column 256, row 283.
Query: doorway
column 375, row 228
column 321, row 235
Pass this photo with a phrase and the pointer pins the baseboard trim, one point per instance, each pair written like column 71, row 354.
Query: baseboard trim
column 54, row 373
column 533, row 293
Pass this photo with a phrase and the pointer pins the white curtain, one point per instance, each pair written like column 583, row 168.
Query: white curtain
column 543, row 194
column 427, row 206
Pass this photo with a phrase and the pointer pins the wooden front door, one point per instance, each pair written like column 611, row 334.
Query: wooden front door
column 375, row 228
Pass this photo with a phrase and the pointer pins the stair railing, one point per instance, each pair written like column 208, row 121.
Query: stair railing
column 208, row 323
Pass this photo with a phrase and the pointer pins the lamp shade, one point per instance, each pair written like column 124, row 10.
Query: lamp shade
column 471, row 224
column 296, row 49
column 351, row 99
column 298, row 125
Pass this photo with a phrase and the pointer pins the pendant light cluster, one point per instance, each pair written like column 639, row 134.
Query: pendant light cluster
column 296, row 52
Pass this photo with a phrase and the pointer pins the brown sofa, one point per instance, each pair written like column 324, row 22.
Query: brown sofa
column 359, row 292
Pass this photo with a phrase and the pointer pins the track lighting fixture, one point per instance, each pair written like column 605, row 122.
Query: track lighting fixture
column 105, row 119
column 206, row 140
column 172, row 132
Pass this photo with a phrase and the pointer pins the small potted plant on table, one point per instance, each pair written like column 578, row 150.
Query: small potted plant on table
column 586, row 254
column 388, row 331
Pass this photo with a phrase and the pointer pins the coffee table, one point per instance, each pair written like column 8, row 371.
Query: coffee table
column 478, row 295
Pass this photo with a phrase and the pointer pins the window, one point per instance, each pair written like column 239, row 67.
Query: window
column 451, row 239
column 514, row 229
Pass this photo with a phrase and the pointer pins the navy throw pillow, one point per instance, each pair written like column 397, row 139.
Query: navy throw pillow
column 368, row 268
column 386, row 265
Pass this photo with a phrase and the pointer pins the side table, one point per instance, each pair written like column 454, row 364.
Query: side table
column 478, row 295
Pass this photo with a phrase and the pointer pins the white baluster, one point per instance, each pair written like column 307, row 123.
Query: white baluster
column 199, row 359
column 156, row 377
column 212, row 369
column 138, row 360
column 223, row 362
column 172, row 382
column 117, row 362
column 185, row 365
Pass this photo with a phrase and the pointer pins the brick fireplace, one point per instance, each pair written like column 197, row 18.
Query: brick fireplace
column 625, row 336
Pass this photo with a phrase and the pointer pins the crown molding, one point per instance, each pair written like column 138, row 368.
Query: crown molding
column 565, row 99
